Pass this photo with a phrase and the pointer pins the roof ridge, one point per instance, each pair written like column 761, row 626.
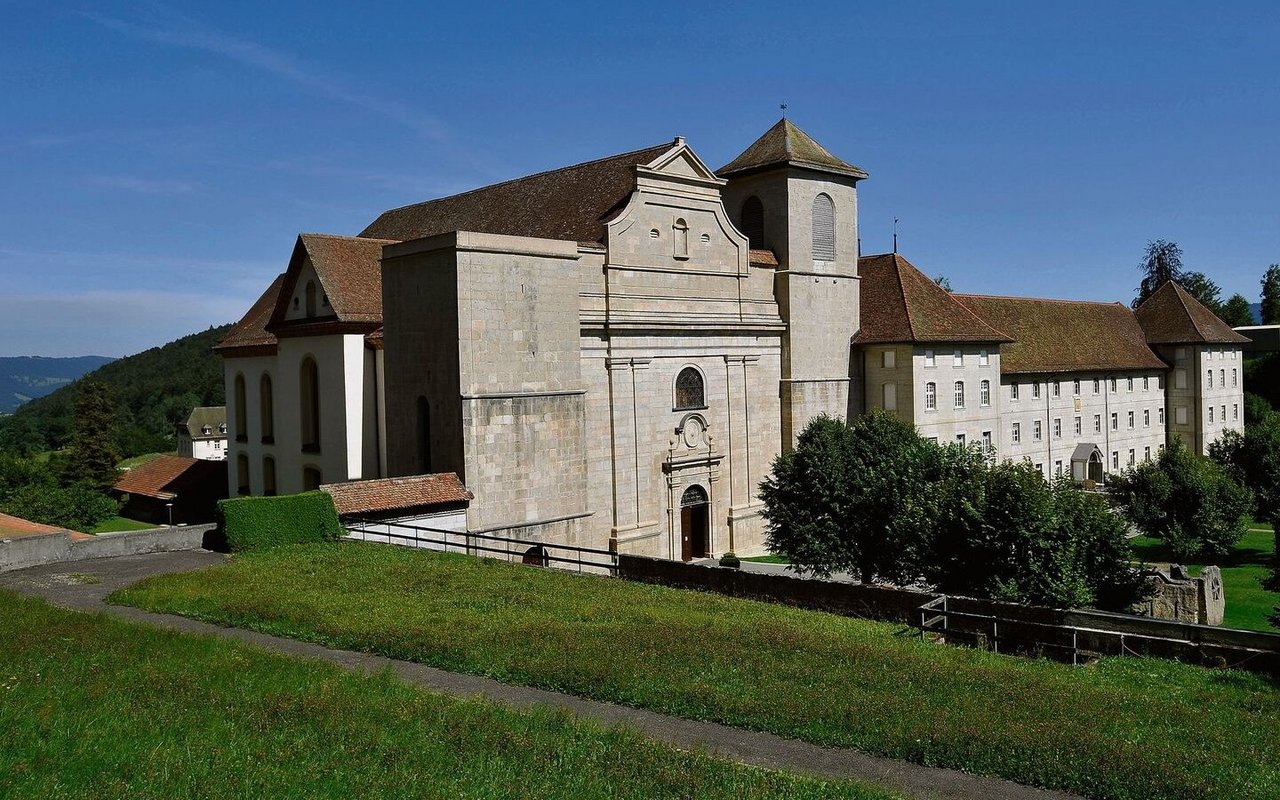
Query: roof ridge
column 486, row 187
column 902, row 289
column 1181, row 293
column 350, row 238
column 1040, row 299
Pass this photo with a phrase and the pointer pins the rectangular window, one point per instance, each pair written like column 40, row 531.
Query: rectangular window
column 1057, row 389
column 1035, row 430
column 1180, row 354
column 1223, row 415
column 1130, row 389
column 959, row 438
column 983, row 358
column 1209, row 378
column 1057, row 428
column 1115, row 459
column 1040, row 468
column 1146, row 383
column 1234, row 379
column 1013, row 391
column 1235, row 409
column 1160, row 415
column 957, row 359
column 1146, row 418
column 986, row 441
column 930, row 396
column 1057, row 469
column 1179, row 379
column 1222, row 378
column 1035, row 390
column 1146, row 454
column 1097, row 386
column 959, row 394
column 1113, row 385
column 1115, row 421
column 1097, row 423
column 1180, row 415
column 1075, row 388
column 1130, row 420
column 888, row 359
column 891, row 397
column 1016, row 434
column 1077, row 426
column 1160, row 382
column 929, row 360
column 984, row 393
column 1131, row 456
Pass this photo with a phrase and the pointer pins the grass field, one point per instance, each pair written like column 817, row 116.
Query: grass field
column 1123, row 728
column 95, row 707
column 1248, row 604
column 114, row 524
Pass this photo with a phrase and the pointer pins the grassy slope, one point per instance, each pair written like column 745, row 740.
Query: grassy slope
column 115, row 524
column 94, row 707
column 1124, row 728
column 1248, row 604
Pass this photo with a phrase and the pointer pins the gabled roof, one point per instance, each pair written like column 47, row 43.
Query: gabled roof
column 397, row 494
column 213, row 416
column 1064, row 335
column 251, row 330
column 899, row 303
column 350, row 274
column 1171, row 315
column 568, row 204
column 153, row 478
column 786, row 144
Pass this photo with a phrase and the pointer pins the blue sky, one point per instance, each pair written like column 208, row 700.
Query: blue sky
column 157, row 160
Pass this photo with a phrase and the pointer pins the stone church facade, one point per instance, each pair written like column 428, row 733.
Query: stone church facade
column 612, row 354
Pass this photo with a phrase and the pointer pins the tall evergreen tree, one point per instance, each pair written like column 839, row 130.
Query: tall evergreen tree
column 1162, row 262
column 1271, row 295
column 1236, row 311
column 93, row 453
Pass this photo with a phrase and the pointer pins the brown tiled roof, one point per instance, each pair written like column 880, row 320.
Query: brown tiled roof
column 784, row 143
column 1064, row 335
column 14, row 527
column 350, row 271
column 569, row 203
column 251, row 330
column 154, row 477
column 1171, row 315
column 397, row 494
column 899, row 303
column 763, row 257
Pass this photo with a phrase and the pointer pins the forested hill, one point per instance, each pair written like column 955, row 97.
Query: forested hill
column 150, row 391
column 25, row 377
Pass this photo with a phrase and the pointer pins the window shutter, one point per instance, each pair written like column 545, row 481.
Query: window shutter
column 824, row 229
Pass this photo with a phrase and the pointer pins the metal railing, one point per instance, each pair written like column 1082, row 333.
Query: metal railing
column 938, row 619
column 525, row 551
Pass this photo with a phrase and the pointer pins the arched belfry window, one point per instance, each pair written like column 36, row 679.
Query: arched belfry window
column 242, row 428
column 753, row 222
column 310, row 385
column 690, row 389
column 311, row 298
column 681, row 231
column 824, row 229
column 266, row 404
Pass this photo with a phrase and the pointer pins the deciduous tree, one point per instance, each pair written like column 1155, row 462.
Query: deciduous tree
column 1161, row 263
column 1271, row 295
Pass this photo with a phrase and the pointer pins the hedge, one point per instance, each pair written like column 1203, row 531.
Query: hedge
column 256, row 523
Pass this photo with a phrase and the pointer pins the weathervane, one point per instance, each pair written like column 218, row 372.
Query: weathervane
column 783, row 106
column 895, row 234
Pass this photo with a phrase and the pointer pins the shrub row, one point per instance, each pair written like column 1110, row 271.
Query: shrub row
column 256, row 523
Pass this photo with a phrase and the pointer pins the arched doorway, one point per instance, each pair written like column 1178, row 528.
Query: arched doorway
column 695, row 519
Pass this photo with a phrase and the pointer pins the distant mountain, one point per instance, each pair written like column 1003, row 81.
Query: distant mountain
column 24, row 378
column 150, row 390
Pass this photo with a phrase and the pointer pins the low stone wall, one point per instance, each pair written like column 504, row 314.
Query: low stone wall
column 849, row 599
column 1181, row 598
column 31, row 551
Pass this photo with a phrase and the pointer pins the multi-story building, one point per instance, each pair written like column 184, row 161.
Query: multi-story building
column 613, row 353
column 204, row 434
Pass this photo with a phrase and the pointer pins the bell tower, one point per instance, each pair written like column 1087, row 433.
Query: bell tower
column 791, row 196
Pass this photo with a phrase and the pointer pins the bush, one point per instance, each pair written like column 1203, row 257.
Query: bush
column 1190, row 502
column 257, row 523
column 730, row 560
column 78, row 508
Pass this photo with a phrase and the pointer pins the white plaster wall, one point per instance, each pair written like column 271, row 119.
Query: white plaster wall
column 946, row 422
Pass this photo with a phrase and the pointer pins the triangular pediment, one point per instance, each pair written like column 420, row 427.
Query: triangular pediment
column 680, row 161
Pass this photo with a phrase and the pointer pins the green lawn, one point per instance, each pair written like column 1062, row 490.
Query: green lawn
column 1248, row 604
column 96, row 707
column 1123, row 728
column 769, row 559
column 114, row 524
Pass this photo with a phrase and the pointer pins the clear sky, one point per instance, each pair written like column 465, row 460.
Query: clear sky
column 158, row 159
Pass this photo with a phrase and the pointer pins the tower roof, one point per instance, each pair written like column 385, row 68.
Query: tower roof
column 786, row 144
column 1172, row 316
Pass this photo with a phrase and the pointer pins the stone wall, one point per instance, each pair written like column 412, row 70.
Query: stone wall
column 1180, row 597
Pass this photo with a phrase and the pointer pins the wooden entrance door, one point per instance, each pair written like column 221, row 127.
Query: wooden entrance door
column 694, row 523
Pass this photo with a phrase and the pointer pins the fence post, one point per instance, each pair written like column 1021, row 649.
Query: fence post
column 995, row 635
column 1075, row 647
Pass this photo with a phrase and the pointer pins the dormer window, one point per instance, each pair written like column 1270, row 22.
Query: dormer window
column 207, row 430
column 222, row 429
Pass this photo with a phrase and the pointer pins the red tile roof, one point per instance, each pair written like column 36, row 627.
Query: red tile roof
column 397, row 494
column 13, row 527
column 899, row 303
column 251, row 330
column 570, row 203
column 1171, row 315
column 785, row 143
column 154, row 477
column 1064, row 335
column 765, row 258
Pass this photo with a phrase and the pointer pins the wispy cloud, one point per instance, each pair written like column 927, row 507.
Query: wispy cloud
column 109, row 323
column 164, row 26
column 134, row 183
